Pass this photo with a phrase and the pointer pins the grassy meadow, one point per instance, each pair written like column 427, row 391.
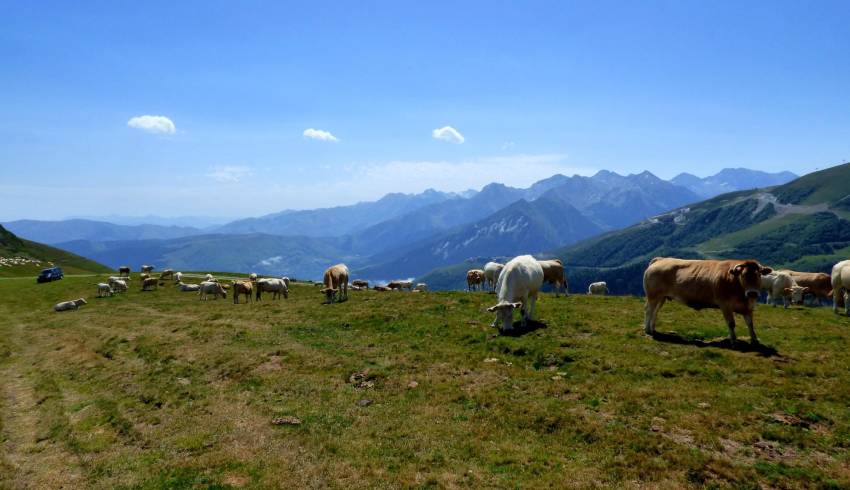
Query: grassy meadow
column 160, row 390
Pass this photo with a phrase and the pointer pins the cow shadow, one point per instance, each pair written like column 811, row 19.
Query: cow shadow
column 724, row 343
column 519, row 330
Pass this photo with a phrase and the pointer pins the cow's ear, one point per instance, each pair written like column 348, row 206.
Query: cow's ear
column 736, row 270
column 766, row 270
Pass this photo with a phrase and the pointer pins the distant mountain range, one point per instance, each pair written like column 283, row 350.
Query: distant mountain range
column 400, row 235
column 731, row 180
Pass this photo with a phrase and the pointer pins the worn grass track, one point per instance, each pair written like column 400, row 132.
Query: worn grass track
column 158, row 389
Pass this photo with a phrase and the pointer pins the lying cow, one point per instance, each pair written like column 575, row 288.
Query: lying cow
column 104, row 290
column 188, row 288
column 149, row 282
column 730, row 285
column 598, row 288
column 166, row 274
column 118, row 284
column 518, row 285
column 381, row 288
column 335, row 281
column 360, row 283
column 242, row 287
column 69, row 305
column 840, row 282
column 400, row 285
column 553, row 273
column 474, row 278
column 208, row 287
column 491, row 274
column 271, row 285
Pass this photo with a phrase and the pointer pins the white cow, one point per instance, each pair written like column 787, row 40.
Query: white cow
column 103, row 289
column 285, row 281
column 598, row 288
column 252, row 277
column 118, row 284
column 69, row 305
column 178, row 277
column 210, row 278
column 188, row 288
column 271, row 285
column 518, row 284
column 491, row 273
column 782, row 285
column 208, row 287
column 421, row 286
column 841, row 286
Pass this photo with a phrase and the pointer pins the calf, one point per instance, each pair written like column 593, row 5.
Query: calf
column 732, row 286
column 335, row 281
column 69, row 305
column 517, row 287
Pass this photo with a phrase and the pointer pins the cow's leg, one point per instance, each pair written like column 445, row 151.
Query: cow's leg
column 651, row 310
column 836, row 295
column 749, row 319
column 785, row 302
column 729, row 316
column 533, row 299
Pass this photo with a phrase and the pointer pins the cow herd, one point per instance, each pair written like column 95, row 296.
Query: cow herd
column 732, row 286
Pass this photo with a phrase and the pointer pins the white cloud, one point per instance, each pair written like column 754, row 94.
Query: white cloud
column 448, row 133
column 318, row 134
column 153, row 124
column 229, row 174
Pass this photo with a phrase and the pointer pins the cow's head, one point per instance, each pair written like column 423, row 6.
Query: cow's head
column 748, row 274
column 797, row 293
column 329, row 294
column 81, row 301
column 504, row 314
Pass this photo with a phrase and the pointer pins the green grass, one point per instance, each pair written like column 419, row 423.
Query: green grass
column 160, row 390
column 12, row 246
column 731, row 240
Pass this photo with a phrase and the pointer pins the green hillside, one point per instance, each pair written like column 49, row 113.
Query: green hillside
column 156, row 389
column 37, row 256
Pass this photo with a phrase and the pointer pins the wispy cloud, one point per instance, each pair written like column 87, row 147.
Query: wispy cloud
column 318, row 134
column 153, row 124
column 229, row 174
column 449, row 134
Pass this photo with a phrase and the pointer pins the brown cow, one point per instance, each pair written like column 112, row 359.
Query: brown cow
column 553, row 273
column 124, row 271
column 474, row 277
column 336, row 280
column 149, row 282
column 242, row 287
column 730, row 285
column 819, row 284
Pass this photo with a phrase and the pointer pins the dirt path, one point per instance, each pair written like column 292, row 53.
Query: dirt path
column 30, row 459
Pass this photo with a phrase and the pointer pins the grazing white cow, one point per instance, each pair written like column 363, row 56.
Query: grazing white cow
column 517, row 287
column 491, row 274
column 208, row 287
column 186, row 288
column 335, row 280
column 598, row 288
column 178, row 277
column 271, row 285
column 103, row 289
column 118, row 285
column 841, row 286
column 69, row 305
column 782, row 285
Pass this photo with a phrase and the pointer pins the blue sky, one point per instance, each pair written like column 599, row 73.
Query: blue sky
column 533, row 88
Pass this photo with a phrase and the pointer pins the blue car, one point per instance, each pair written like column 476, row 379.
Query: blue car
column 51, row 274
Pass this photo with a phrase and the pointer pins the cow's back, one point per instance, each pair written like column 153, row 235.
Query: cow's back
column 521, row 275
column 693, row 282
